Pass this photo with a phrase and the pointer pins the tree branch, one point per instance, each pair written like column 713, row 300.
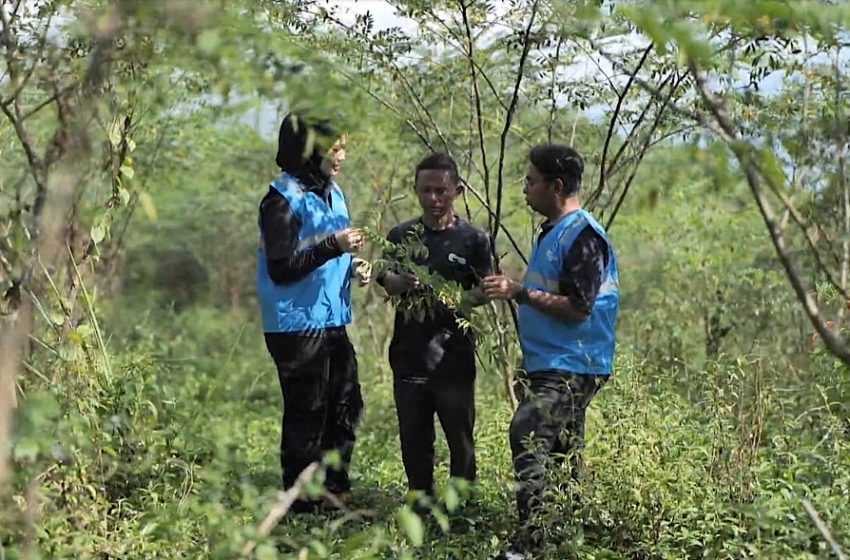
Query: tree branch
column 397, row 73
column 42, row 41
column 723, row 126
column 502, row 226
column 552, row 90
column 615, row 117
column 824, row 530
column 284, row 502
column 526, row 47
column 56, row 95
column 478, row 67
column 478, row 111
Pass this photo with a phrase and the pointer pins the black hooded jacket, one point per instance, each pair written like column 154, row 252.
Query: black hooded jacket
column 279, row 226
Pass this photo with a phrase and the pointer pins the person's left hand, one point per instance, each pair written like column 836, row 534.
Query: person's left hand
column 362, row 270
column 500, row 287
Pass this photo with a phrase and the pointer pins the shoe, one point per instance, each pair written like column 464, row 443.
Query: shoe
column 422, row 507
column 306, row 506
column 511, row 555
column 521, row 546
column 337, row 482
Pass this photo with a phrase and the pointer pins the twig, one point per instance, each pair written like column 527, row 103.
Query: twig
column 644, row 149
column 644, row 112
column 425, row 140
column 653, row 91
column 615, row 117
column 502, row 226
column 461, row 50
column 41, row 44
column 508, row 119
column 48, row 101
column 478, row 111
column 824, row 530
column 402, row 77
column 554, row 105
column 801, row 222
column 284, row 502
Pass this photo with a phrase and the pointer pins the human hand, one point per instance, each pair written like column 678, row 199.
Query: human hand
column 399, row 283
column 500, row 287
column 349, row 240
column 362, row 270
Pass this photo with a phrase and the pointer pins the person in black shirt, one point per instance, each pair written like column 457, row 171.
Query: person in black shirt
column 433, row 359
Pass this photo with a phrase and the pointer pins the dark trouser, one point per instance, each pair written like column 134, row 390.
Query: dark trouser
column 321, row 400
column 453, row 401
column 547, row 426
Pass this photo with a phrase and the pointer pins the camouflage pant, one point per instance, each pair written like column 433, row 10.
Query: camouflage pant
column 322, row 404
column 547, row 427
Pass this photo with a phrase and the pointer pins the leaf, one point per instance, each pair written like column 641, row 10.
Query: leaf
column 412, row 525
column 98, row 233
column 57, row 317
column 85, row 330
column 127, row 171
column 266, row 551
column 148, row 206
column 114, row 133
column 131, row 145
column 124, row 195
column 451, row 498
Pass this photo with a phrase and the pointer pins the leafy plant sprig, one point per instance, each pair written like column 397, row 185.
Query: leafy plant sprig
column 437, row 291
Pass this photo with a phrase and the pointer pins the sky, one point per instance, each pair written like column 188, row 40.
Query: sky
column 591, row 67
column 382, row 11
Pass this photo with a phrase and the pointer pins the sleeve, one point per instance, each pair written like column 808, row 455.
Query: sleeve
column 482, row 261
column 279, row 226
column 583, row 269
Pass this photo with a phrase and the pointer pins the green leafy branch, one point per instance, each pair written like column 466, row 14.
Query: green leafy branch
column 437, row 291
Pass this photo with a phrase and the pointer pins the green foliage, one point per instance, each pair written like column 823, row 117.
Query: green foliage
column 180, row 454
column 437, row 292
column 149, row 414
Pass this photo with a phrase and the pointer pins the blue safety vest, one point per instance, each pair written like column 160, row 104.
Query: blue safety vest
column 549, row 343
column 322, row 299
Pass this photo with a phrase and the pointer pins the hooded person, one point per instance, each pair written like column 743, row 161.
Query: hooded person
column 304, row 267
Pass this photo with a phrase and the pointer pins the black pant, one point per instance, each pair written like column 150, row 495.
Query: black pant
column 417, row 400
column 547, row 427
column 322, row 404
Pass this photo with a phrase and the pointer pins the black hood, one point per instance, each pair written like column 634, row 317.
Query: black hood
column 301, row 145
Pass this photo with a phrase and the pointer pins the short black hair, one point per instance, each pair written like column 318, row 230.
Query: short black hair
column 439, row 162
column 557, row 161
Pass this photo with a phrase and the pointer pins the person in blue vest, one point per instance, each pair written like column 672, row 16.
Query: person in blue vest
column 304, row 268
column 568, row 304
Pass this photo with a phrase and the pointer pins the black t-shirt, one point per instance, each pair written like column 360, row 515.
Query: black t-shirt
column 583, row 270
column 460, row 253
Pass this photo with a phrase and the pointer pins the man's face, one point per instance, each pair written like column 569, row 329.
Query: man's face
column 539, row 191
column 332, row 162
column 436, row 191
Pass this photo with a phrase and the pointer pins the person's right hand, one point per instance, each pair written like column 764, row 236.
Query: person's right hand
column 399, row 283
column 349, row 240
